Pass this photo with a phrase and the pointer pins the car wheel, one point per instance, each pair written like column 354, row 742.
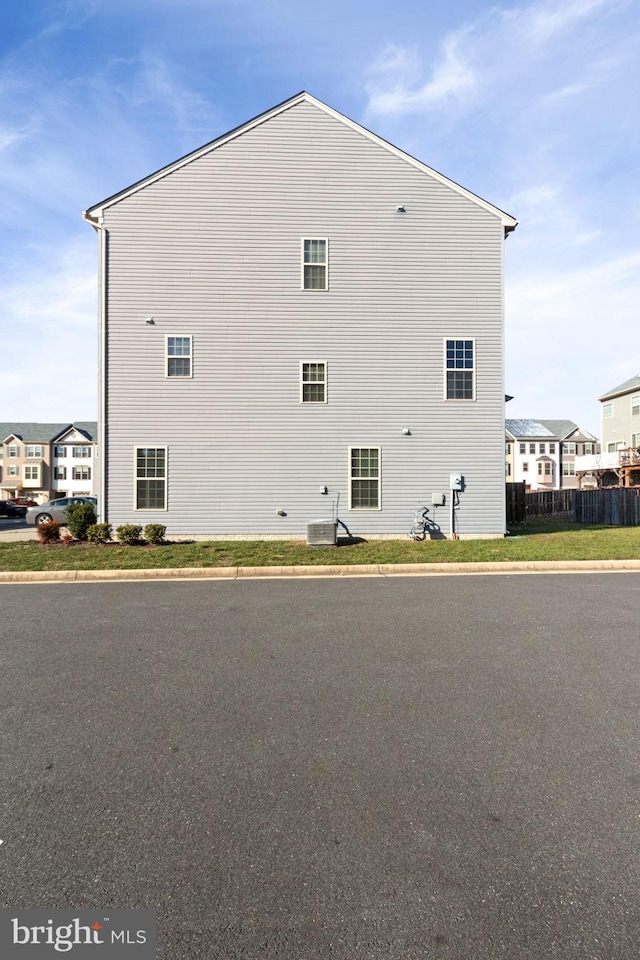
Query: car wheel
column 43, row 518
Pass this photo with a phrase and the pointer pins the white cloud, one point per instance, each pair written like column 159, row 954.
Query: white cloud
column 49, row 312
column 541, row 23
column 393, row 88
column 572, row 335
column 482, row 55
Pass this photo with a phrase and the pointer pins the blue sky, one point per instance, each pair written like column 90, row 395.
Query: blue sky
column 532, row 105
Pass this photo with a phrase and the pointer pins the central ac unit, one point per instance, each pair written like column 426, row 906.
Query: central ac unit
column 322, row 533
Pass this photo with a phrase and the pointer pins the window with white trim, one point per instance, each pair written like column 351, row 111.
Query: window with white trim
column 542, row 448
column 315, row 267
column 12, row 471
column 635, row 439
column 569, row 448
column 589, row 448
column 179, row 354
column 313, row 382
column 13, row 451
column 364, row 478
column 607, row 410
column 552, row 448
column 31, row 451
column 81, row 452
column 544, row 468
column 151, row 478
column 569, row 469
column 60, row 452
column 525, row 466
column 81, row 473
column 31, row 471
column 635, row 405
column 523, row 448
column 60, row 473
column 532, row 449
column 460, row 369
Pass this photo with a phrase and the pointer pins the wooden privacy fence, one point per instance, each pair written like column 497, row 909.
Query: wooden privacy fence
column 551, row 503
column 616, row 506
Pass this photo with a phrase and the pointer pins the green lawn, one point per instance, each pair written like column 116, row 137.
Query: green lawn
column 538, row 540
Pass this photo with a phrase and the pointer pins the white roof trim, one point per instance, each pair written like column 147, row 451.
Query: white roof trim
column 96, row 212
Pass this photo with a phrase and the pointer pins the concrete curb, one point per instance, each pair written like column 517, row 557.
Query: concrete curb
column 324, row 571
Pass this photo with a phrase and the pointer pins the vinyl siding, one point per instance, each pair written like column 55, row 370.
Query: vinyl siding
column 213, row 250
column 620, row 427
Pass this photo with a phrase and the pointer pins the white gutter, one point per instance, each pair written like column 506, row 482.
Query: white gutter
column 101, row 230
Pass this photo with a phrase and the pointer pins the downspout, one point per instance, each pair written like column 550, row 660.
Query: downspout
column 101, row 230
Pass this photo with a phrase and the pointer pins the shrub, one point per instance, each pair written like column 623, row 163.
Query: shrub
column 48, row 532
column 99, row 532
column 80, row 516
column 129, row 533
column 154, row 532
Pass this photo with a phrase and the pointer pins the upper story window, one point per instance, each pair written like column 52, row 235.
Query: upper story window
column 60, row 452
column 552, row 448
column 33, row 450
column 13, row 451
column 460, row 369
column 607, row 410
column 532, row 448
column 315, row 267
column 313, row 382
column 543, row 448
column 60, row 473
column 81, row 473
column 179, row 352
column 589, row 448
column 523, row 448
column 635, row 405
column 84, row 451
column 508, row 449
column 31, row 471
column 569, row 447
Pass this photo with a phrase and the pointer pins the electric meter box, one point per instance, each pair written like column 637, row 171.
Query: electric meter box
column 455, row 481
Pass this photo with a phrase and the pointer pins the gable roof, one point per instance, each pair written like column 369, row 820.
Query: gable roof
column 564, row 429
column 545, row 429
column 94, row 214
column 628, row 385
column 46, row 432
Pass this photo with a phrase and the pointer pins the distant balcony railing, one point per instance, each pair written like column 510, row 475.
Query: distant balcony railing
column 627, row 457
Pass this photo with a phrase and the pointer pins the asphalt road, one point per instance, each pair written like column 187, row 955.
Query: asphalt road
column 388, row 769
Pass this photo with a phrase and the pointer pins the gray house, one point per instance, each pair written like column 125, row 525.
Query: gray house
column 298, row 321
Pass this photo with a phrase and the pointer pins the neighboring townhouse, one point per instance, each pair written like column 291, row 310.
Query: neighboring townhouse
column 542, row 453
column 301, row 321
column 618, row 465
column 43, row 461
